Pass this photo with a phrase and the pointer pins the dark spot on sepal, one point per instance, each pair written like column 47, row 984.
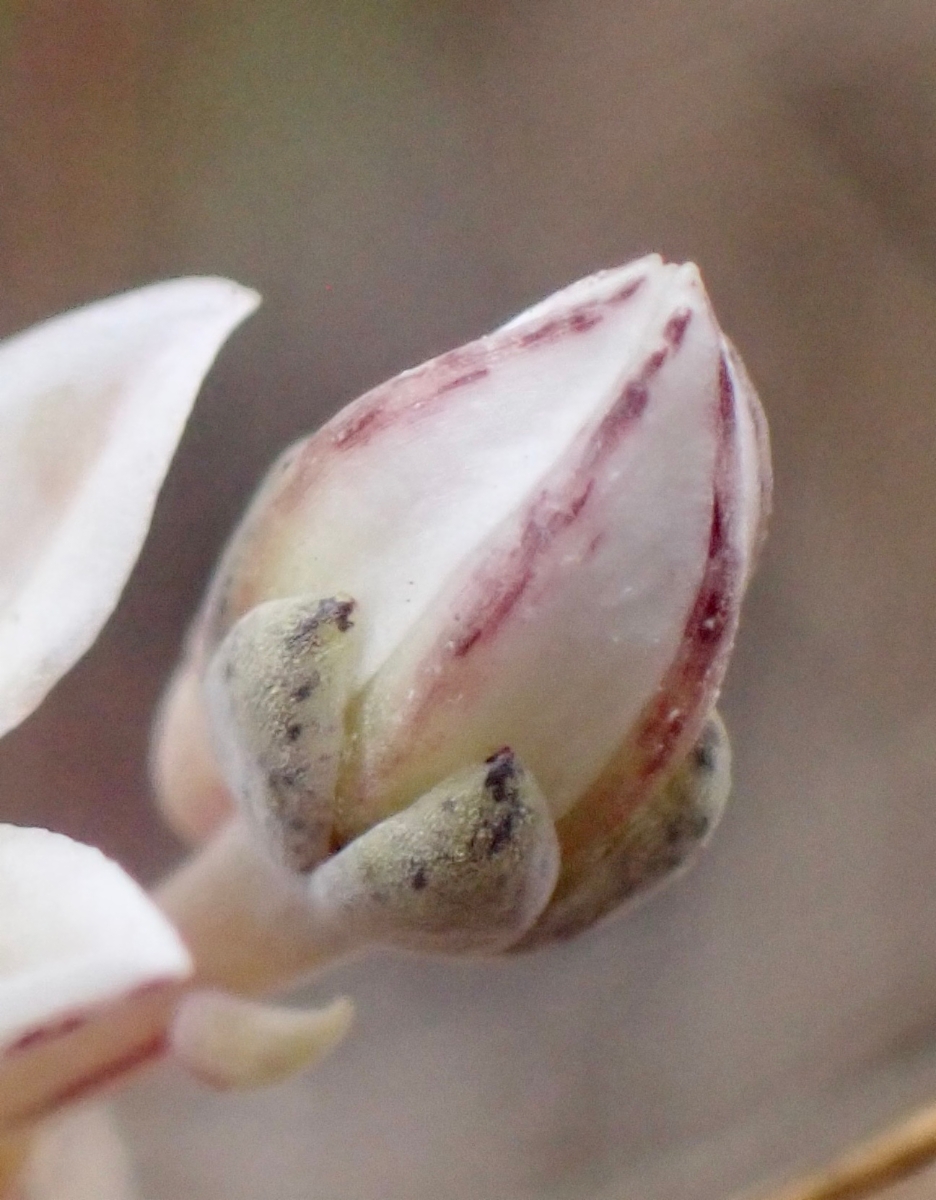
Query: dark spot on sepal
column 287, row 777
column 340, row 613
column 493, row 834
column 329, row 612
column 420, row 878
column 502, row 773
column 704, row 752
column 305, row 690
column 501, row 831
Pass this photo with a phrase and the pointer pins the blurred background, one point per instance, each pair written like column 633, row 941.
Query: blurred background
column 396, row 177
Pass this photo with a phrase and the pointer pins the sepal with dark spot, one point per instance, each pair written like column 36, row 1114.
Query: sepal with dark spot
column 466, row 868
column 659, row 841
column 277, row 691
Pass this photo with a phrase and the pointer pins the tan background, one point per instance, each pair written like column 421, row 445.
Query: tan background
column 397, row 176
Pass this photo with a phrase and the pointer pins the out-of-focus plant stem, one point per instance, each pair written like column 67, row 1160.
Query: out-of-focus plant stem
column 869, row 1167
column 13, row 1151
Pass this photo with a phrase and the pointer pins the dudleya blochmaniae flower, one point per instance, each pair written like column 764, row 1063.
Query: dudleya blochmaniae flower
column 452, row 688
column 92, row 405
column 453, row 685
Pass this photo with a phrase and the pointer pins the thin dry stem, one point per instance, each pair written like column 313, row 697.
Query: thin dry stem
column 14, row 1149
column 871, row 1166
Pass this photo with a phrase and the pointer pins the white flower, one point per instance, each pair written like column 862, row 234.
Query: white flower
column 452, row 689
column 92, row 405
column 457, row 670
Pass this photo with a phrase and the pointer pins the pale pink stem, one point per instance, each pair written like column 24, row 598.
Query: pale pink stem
column 245, row 920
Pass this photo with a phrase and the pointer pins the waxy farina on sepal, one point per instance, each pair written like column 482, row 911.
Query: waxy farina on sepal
column 528, row 554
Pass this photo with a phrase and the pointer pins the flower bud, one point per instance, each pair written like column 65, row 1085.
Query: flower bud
column 543, row 539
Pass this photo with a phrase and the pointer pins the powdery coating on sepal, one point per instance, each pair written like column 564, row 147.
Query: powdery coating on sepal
column 88, row 969
column 227, row 1042
column 657, row 843
column 92, row 405
column 278, row 688
column 466, row 868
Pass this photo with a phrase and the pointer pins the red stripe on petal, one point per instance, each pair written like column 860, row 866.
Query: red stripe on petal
column 550, row 513
column 93, row 1082
column 676, row 327
column 629, row 289
column 47, row 1033
column 673, row 719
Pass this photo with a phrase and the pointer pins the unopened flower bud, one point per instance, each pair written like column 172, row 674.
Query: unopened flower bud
column 541, row 540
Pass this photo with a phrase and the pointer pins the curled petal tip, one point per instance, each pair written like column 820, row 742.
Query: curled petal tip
column 228, row 1042
column 92, row 405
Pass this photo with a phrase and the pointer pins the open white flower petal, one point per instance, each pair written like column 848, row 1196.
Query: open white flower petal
column 92, row 405
column 89, row 970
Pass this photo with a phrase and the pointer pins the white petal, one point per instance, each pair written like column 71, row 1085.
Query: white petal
column 88, row 967
column 386, row 501
column 554, row 633
column 92, row 405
